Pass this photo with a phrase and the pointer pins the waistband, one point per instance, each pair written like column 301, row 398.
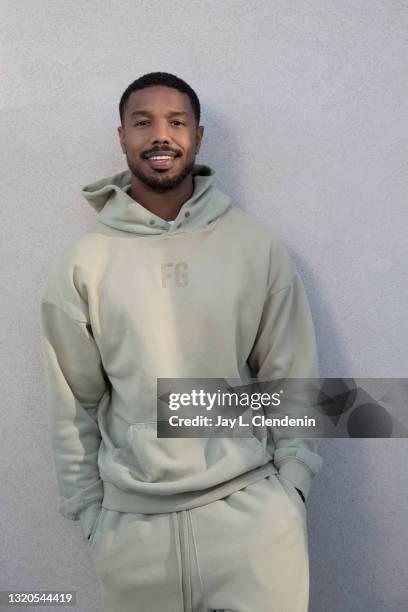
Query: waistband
column 143, row 503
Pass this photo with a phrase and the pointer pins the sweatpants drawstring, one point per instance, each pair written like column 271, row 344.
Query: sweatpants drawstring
column 198, row 600
column 183, row 556
column 178, row 551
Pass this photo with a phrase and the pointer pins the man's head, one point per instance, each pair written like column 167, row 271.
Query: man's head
column 160, row 115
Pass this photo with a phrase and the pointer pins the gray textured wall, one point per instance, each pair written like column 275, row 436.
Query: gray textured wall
column 304, row 107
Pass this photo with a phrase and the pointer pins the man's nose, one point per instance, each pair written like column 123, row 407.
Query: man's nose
column 160, row 132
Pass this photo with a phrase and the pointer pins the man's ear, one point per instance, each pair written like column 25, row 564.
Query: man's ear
column 121, row 132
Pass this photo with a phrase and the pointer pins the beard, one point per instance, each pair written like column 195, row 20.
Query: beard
column 160, row 182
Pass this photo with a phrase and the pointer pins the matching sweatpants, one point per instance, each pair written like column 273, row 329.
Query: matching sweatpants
column 247, row 552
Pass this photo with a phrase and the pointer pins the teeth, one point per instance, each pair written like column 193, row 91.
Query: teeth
column 161, row 157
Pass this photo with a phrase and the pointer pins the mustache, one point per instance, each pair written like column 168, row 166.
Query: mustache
column 146, row 154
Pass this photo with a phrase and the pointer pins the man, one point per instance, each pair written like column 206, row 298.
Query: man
column 173, row 281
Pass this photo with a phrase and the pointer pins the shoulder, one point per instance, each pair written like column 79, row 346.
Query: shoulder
column 79, row 252
column 70, row 270
column 257, row 234
column 252, row 229
column 264, row 245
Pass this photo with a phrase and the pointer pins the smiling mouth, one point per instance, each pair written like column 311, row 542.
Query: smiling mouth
column 161, row 161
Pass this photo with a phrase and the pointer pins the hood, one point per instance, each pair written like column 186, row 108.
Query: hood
column 111, row 200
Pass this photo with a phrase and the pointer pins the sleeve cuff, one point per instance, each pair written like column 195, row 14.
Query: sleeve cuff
column 88, row 516
column 298, row 475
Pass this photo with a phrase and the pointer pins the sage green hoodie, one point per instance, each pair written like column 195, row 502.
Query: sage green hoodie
column 212, row 295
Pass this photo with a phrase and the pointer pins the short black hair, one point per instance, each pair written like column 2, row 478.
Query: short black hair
column 161, row 78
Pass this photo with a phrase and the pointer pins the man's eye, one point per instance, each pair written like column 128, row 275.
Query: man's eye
column 173, row 121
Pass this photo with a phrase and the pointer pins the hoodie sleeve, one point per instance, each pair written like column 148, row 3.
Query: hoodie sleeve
column 75, row 385
column 285, row 347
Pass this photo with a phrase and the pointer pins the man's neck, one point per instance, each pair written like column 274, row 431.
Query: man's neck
column 165, row 205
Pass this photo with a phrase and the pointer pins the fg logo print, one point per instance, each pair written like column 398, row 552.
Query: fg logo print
column 174, row 274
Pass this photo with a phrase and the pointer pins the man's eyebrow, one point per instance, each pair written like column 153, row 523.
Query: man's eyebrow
column 149, row 114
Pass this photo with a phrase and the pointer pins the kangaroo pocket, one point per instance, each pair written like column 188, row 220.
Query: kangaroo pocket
column 215, row 459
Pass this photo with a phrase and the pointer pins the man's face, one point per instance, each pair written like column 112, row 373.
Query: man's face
column 160, row 121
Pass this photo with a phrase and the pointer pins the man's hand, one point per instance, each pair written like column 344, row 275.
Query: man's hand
column 301, row 494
